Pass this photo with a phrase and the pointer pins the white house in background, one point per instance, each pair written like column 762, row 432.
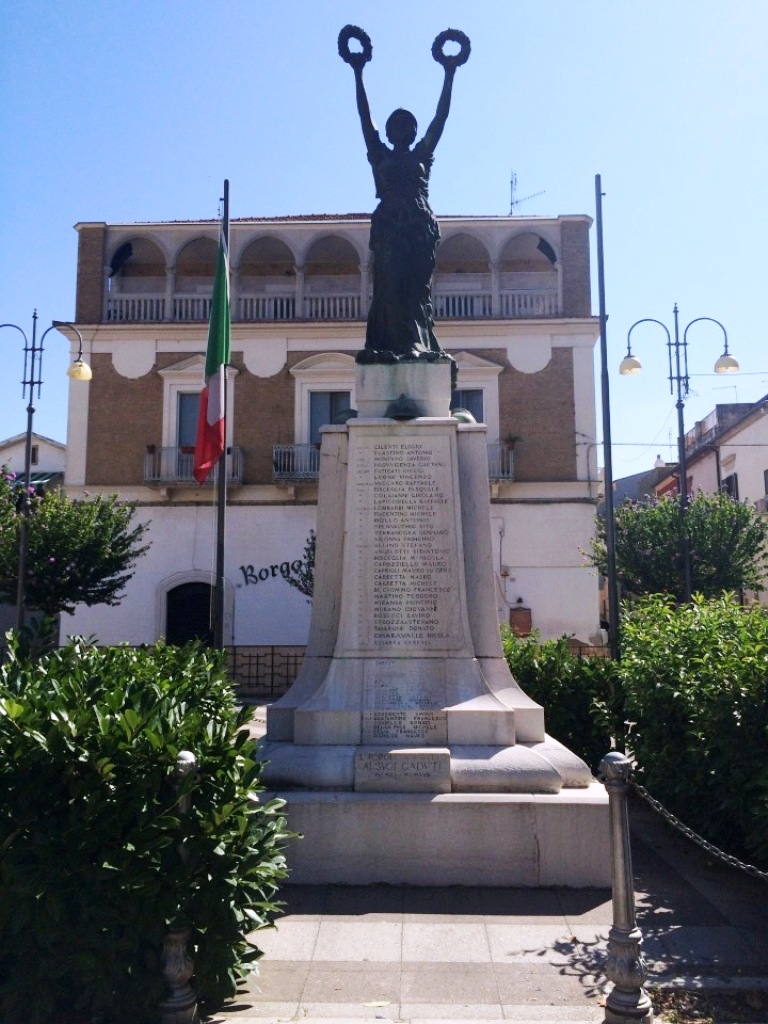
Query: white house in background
column 48, row 458
column 728, row 451
column 512, row 304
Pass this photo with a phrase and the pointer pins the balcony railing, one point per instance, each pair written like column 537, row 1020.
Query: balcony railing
column 523, row 304
column 172, row 467
column 457, row 306
column 132, row 308
column 267, row 307
column 527, row 304
column 333, row 307
column 294, row 463
column 501, row 462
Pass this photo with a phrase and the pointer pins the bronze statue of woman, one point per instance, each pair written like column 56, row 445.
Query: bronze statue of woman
column 404, row 231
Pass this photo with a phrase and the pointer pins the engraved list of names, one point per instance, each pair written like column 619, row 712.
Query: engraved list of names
column 408, row 576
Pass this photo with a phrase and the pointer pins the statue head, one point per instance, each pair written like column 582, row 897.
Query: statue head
column 401, row 128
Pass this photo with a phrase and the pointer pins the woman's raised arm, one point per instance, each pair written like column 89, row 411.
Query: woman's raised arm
column 449, row 62
column 357, row 61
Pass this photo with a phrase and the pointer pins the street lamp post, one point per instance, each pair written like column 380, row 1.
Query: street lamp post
column 680, row 379
column 33, row 365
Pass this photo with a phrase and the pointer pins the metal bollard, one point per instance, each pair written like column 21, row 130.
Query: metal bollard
column 627, row 1001
column 180, row 1006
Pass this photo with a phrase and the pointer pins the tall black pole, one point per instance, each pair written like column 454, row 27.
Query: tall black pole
column 682, row 390
column 221, row 482
column 610, row 522
column 33, row 362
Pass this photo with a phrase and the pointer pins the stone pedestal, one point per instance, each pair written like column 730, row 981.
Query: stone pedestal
column 404, row 688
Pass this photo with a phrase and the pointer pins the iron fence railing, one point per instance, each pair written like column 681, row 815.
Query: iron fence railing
column 258, row 672
column 175, row 466
column 261, row 673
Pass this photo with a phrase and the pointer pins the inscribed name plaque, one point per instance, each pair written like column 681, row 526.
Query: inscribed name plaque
column 407, row 566
column 404, row 704
column 403, row 771
column 405, row 727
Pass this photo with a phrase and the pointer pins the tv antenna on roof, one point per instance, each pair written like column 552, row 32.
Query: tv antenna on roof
column 513, row 201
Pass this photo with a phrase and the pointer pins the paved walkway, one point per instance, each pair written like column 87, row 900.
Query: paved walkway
column 396, row 953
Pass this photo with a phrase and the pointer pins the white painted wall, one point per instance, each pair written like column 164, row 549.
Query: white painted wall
column 268, row 611
column 540, row 544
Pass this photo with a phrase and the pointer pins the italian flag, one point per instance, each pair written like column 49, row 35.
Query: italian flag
column 209, row 446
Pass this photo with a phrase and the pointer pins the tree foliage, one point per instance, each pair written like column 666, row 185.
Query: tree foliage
column 79, row 552
column 303, row 579
column 727, row 541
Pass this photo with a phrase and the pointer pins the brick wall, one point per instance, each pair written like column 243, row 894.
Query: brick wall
column 124, row 416
column 90, row 273
column 539, row 408
column 575, row 268
column 264, row 411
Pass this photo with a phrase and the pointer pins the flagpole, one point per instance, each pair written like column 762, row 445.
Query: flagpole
column 221, row 486
column 610, row 521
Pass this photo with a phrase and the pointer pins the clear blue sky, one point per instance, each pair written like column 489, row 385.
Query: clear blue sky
column 139, row 110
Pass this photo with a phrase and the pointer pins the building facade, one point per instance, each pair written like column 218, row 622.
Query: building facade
column 728, row 451
column 512, row 305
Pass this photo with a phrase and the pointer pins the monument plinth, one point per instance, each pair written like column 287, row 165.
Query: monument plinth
column 405, row 694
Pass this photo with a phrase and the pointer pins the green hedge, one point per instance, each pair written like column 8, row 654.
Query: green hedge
column 695, row 684
column 91, row 873
column 688, row 701
column 579, row 695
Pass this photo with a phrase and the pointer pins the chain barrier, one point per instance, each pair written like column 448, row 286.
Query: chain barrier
column 726, row 858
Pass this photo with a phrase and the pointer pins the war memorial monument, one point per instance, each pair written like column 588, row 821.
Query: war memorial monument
column 405, row 749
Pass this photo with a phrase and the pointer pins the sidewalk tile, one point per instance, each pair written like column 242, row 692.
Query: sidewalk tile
column 288, row 940
column 450, row 1012
column 530, row 943
column 445, row 943
column 359, row 941
column 443, row 983
column 364, row 985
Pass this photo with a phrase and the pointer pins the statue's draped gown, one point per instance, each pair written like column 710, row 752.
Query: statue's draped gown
column 404, row 238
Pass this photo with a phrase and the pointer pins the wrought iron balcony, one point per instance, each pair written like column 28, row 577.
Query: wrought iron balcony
column 501, row 462
column 172, row 467
column 295, row 463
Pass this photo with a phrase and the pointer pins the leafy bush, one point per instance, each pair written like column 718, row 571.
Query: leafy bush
column 579, row 695
column 79, row 552
column 695, row 682
column 728, row 542
column 96, row 860
column 688, row 700
column 303, row 578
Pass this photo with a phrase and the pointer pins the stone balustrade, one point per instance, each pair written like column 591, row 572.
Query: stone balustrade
column 146, row 308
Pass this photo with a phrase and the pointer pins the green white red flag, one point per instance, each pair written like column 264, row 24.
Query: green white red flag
column 211, row 424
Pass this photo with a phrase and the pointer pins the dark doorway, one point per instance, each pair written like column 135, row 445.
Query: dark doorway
column 188, row 614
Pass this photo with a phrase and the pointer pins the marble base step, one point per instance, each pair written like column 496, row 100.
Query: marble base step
column 490, row 839
column 545, row 767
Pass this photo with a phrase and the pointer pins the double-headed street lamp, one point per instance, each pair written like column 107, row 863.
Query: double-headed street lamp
column 33, row 365
column 678, row 376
